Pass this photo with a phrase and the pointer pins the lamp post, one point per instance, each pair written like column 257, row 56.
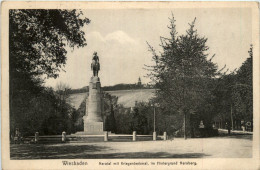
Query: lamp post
column 154, row 119
column 154, row 132
column 154, row 105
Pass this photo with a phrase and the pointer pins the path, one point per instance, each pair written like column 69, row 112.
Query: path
column 237, row 146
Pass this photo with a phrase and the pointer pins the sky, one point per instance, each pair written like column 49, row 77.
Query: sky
column 120, row 38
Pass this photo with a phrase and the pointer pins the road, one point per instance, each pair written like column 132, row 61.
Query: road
column 236, row 146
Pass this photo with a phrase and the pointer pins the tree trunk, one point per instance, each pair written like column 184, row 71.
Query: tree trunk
column 231, row 114
column 184, row 124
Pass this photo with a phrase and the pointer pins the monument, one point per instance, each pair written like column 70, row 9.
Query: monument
column 93, row 121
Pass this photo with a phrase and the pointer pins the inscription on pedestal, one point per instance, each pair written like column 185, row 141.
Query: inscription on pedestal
column 93, row 127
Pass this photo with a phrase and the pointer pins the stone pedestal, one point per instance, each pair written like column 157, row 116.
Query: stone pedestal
column 93, row 127
column 93, row 122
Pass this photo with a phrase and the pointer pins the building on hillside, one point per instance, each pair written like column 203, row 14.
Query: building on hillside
column 139, row 83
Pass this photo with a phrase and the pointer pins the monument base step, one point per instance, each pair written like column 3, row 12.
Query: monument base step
column 82, row 133
column 86, row 138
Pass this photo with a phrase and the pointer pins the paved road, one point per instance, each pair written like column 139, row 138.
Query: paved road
column 236, row 146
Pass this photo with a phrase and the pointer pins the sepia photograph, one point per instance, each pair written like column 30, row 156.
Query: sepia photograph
column 159, row 85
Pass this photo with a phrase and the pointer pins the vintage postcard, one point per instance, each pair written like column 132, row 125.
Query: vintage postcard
column 130, row 85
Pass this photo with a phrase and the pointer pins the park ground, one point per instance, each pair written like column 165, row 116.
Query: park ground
column 234, row 146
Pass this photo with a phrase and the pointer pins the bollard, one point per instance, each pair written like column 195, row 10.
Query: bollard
column 164, row 136
column 134, row 135
column 63, row 137
column 154, row 135
column 36, row 139
column 243, row 128
column 105, row 136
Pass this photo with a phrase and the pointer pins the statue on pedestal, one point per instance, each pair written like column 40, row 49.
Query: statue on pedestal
column 93, row 119
column 95, row 66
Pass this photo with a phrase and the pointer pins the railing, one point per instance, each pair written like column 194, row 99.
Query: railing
column 75, row 138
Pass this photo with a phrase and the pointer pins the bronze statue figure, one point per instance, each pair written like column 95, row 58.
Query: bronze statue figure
column 95, row 66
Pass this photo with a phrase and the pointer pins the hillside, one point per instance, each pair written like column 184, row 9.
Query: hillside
column 125, row 97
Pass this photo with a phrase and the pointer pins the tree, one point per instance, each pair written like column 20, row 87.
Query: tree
column 242, row 92
column 183, row 74
column 123, row 118
column 234, row 95
column 223, row 97
column 110, row 104
column 62, row 91
column 37, row 49
column 59, row 119
column 38, row 39
column 140, row 118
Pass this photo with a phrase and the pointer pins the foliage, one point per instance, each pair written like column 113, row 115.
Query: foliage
column 37, row 46
column 234, row 95
column 38, row 39
column 183, row 73
column 110, row 104
column 123, row 118
column 140, row 118
column 79, row 124
column 42, row 112
column 243, row 90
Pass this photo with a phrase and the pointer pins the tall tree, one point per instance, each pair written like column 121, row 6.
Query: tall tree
column 183, row 73
column 234, row 95
column 37, row 48
column 242, row 95
column 38, row 39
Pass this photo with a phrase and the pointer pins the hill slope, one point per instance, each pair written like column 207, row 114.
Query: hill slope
column 125, row 97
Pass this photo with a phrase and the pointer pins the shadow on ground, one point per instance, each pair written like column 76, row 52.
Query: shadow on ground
column 41, row 151
column 44, row 151
column 150, row 155
column 236, row 136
